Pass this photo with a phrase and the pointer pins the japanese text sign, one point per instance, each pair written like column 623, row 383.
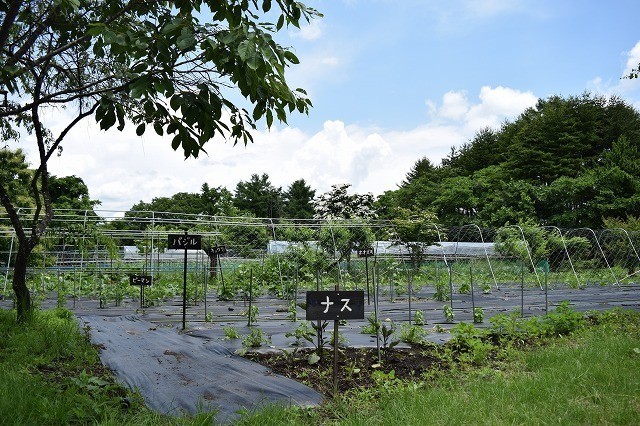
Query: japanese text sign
column 140, row 280
column 218, row 250
column 335, row 305
column 366, row 252
column 184, row 241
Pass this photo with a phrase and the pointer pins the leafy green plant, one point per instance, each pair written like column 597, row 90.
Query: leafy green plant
column 321, row 342
column 230, row 333
column 418, row 318
column 352, row 369
column 342, row 340
column 449, row 315
column 208, row 317
column 302, row 333
column 372, row 327
column 412, row 334
column 254, row 339
column 441, row 292
column 252, row 313
column 465, row 288
column 478, row 315
column 387, row 329
column 470, row 344
column 564, row 320
column 292, row 311
column 439, row 329
column 386, row 382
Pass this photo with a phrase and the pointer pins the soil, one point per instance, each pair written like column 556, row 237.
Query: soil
column 356, row 366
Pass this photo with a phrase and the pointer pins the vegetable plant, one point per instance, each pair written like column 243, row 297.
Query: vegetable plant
column 449, row 315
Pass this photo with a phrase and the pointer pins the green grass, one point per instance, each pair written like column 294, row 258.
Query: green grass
column 51, row 375
column 593, row 382
column 590, row 378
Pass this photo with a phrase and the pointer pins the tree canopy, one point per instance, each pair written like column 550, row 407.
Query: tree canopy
column 259, row 197
column 568, row 162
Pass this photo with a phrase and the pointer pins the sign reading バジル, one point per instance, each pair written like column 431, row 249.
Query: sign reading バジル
column 184, row 241
column 335, row 305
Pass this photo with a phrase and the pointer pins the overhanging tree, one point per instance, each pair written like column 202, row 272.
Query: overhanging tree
column 172, row 66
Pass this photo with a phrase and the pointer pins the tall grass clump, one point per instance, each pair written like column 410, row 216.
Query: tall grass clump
column 50, row 373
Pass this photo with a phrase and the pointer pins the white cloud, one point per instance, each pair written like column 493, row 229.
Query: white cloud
column 633, row 59
column 627, row 88
column 454, row 105
column 496, row 105
column 312, row 31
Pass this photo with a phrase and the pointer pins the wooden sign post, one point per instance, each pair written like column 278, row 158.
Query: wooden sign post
column 335, row 305
column 186, row 242
column 143, row 281
column 366, row 253
column 217, row 251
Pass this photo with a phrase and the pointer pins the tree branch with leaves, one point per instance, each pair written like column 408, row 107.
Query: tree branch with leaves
column 171, row 66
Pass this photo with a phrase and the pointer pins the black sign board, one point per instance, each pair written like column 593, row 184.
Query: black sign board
column 184, row 241
column 367, row 252
column 140, row 280
column 218, row 250
column 335, row 305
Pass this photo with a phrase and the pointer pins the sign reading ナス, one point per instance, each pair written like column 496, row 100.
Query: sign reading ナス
column 335, row 305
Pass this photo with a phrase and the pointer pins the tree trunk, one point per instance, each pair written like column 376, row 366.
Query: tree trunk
column 23, row 298
column 213, row 262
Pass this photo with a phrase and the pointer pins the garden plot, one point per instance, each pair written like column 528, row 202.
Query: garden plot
column 276, row 317
column 196, row 369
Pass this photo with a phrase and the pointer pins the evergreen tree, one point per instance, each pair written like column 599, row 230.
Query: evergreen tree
column 298, row 200
column 259, row 197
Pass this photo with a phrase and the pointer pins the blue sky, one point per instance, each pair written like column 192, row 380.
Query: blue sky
column 385, row 59
column 391, row 82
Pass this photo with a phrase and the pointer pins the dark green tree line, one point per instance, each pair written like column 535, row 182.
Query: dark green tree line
column 569, row 162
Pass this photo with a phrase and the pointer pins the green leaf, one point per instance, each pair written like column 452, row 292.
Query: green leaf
column 313, row 359
column 258, row 111
column 175, row 142
column 186, row 39
column 96, row 28
column 175, row 102
column 244, row 49
column 172, row 26
column 291, row 57
column 140, row 129
column 269, row 118
column 120, row 116
column 254, row 61
column 266, row 5
column 158, row 128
